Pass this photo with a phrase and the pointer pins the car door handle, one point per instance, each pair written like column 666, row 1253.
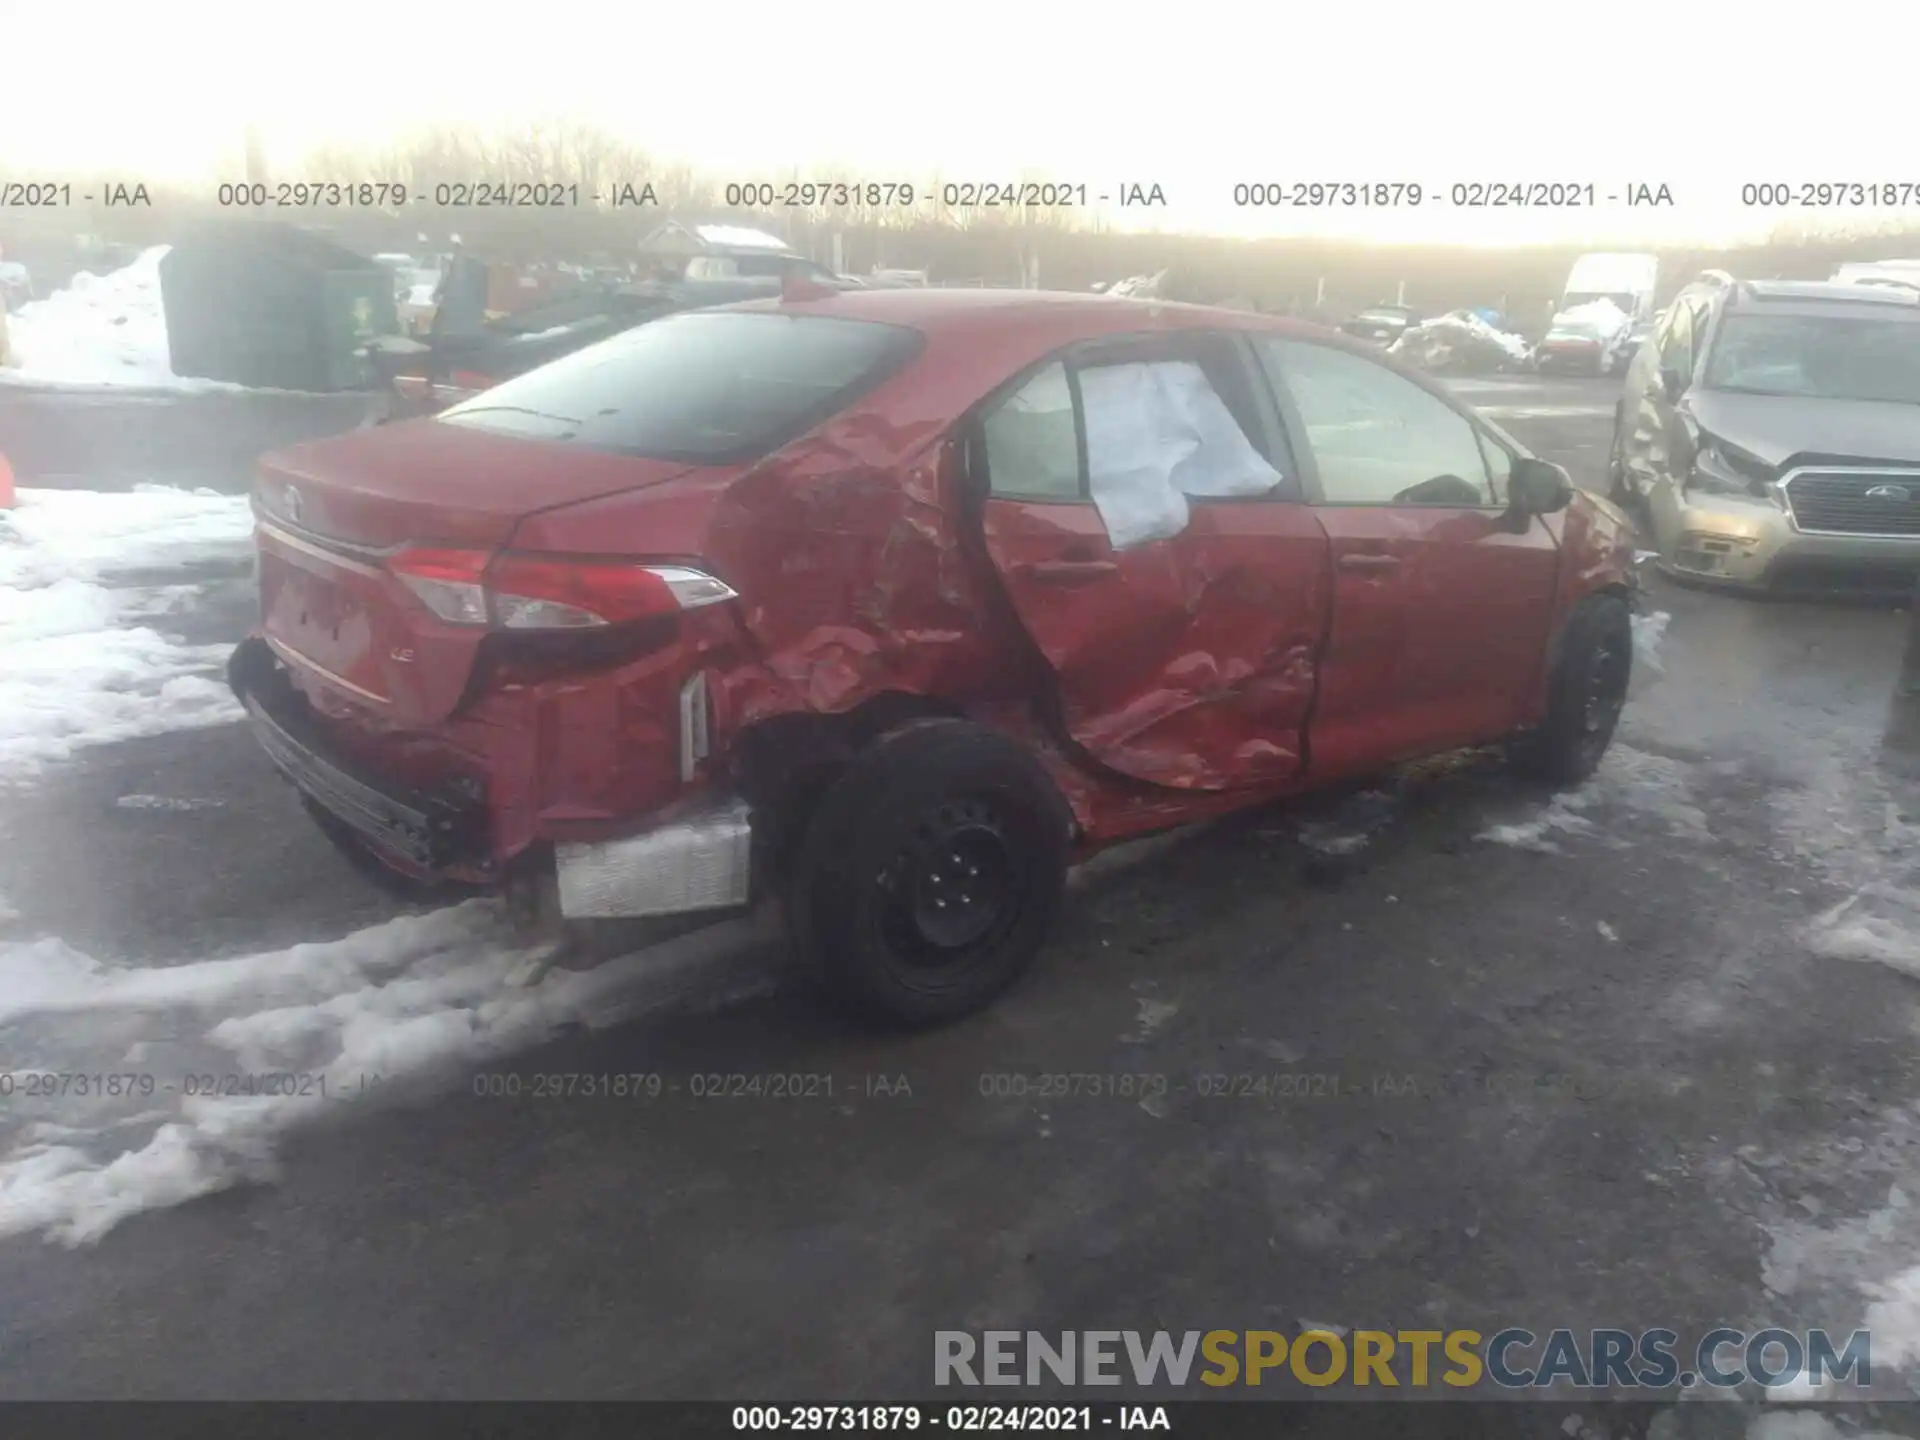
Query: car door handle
column 1066, row 572
column 1366, row 561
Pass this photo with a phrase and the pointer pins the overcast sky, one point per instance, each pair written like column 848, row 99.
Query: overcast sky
column 1194, row 96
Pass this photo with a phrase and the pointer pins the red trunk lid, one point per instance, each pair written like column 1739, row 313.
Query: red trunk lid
column 425, row 480
column 330, row 510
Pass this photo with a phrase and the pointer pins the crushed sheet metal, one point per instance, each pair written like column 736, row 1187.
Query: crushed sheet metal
column 698, row 863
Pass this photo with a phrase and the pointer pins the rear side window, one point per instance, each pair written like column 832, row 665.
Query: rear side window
column 1033, row 445
column 711, row 388
column 1150, row 435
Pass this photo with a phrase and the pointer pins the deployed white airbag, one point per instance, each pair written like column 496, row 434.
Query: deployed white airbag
column 1157, row 433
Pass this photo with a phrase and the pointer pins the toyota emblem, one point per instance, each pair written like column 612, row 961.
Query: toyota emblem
column 290, row 498
column 1889, row 492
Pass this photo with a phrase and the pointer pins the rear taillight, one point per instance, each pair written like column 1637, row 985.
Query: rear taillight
column 545, row 592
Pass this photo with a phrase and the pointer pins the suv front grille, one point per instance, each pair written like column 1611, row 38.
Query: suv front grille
column 1841, row 502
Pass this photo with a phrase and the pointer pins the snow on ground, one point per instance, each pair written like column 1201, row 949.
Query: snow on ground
column 137, row 1088
column 81, row 662
column 102, row 331
column 1649, row 633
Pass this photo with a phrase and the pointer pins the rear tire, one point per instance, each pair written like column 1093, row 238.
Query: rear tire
column 1585, row 694
column 929, row 873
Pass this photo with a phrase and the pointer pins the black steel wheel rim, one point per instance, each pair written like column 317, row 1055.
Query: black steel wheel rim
column 954, row 889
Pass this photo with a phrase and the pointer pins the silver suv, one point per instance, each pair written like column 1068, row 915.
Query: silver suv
column 1769, row 435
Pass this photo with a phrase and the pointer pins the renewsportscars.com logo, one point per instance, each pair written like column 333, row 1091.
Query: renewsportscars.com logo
column 1510, row 1359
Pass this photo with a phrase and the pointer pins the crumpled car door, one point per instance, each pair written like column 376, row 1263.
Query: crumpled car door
column 1133, row 526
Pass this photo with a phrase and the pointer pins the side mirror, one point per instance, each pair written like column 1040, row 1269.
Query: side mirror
column 1536, row 487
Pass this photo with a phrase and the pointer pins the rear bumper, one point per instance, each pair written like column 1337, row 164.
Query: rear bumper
column 698, row 860
column 432, row 836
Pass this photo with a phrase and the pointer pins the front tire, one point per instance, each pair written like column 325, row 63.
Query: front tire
column 1585, row 694
column 929, row 873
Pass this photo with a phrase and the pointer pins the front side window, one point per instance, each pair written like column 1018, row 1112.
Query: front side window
column 1824, row 357
column 707, row 388
column 1378, row 438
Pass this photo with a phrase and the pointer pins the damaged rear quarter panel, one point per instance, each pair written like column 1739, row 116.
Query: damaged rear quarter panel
column 846, row 545
column 851, row 573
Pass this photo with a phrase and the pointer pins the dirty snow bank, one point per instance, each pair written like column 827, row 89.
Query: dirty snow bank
column 77, row 665
column 1879, row 924
column 1649, row 633
column 101, row 331
column 309, row 1031
column 1633, row 782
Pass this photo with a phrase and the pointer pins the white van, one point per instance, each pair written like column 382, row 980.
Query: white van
column 1604, row 312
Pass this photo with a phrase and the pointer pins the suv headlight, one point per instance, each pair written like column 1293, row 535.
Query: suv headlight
column 1722, row 469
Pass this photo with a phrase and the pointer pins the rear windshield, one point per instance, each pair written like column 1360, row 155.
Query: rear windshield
column 708, row 388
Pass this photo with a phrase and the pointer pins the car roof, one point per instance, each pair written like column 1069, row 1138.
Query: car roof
column 1815, row 297
column 977, row 339
column 955, row 312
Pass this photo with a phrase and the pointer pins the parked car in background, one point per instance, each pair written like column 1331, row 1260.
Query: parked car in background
column 891, row 603
column 1382, row 324
column 1604, row 310
column 1590, row 339
column 1628, row 281
column 723, row 278
column 1770, row 435
column 1879, row 272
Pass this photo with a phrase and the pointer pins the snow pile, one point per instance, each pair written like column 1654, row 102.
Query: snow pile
column 1649, row 634
column 1561, row 818
column 304, row 1033
column 1650, row 787
column 77, row 666
column 1878, row 923
column 1139, row 287
column 1459, row 341
column 102, row 330
column 1600, row 319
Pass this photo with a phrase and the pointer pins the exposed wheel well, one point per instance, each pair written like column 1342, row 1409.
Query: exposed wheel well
column 783, row 765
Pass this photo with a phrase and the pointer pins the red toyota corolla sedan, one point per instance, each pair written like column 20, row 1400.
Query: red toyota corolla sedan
column 893, row 603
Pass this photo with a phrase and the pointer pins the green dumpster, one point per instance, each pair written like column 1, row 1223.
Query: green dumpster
column 272, row 306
